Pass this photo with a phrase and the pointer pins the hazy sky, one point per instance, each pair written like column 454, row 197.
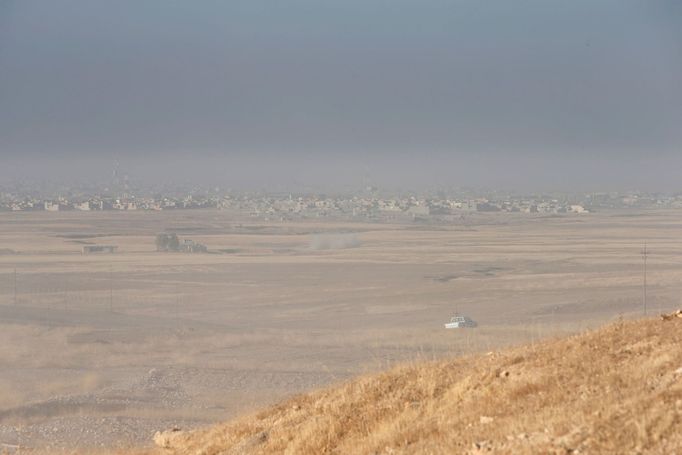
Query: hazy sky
column 552, row 94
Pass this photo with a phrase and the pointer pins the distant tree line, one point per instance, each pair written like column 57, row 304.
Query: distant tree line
column 167, row 242
column 171, row 242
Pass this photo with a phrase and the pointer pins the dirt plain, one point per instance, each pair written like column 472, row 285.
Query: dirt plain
column 102, row 350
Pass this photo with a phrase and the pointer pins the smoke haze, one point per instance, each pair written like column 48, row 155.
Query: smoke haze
column 526, row 94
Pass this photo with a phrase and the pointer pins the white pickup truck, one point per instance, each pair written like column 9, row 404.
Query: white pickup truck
column 458, row 322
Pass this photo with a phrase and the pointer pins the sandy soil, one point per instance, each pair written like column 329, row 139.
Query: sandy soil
column 103, row 350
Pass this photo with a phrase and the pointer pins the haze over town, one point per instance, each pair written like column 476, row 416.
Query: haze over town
column 529, row 96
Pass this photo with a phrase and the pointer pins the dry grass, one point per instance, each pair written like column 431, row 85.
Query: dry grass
column 614, row 390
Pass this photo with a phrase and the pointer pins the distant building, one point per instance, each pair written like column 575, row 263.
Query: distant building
column 92, row 249
column 124, row 205
column 578, row 209
column 190, row 246
column 487, row 207
column 51, row 206
column 419, row 210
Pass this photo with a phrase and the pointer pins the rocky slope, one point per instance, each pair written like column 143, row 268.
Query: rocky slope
column 614, row 390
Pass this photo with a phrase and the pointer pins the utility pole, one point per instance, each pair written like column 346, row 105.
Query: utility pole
column 645, row 254
column 177, row 305
column 111, row 290
column 15, row 286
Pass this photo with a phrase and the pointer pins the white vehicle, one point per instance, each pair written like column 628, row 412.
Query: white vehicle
column 458, row 322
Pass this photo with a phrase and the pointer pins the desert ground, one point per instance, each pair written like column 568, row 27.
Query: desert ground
column 102, row 350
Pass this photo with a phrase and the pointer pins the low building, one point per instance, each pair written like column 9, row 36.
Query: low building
column 51, row 206
column 419, row 210
column 578, row 209
column 190, row 246
column 105, row 249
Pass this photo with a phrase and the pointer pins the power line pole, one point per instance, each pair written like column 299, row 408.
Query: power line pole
column 177, row 305
column 111, row 289
column 645, row 254
column 15, row 286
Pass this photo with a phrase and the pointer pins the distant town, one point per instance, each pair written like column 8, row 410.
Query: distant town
column 368, row 203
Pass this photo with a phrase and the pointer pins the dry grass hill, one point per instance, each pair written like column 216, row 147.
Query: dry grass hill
column 614, row 390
